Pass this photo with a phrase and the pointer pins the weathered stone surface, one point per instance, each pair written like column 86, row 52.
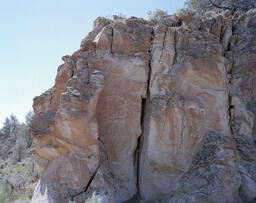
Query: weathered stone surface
column 65, row 123
column 188, row 98
column 213, row 176
column 246, row 165
column 243, row 73
column 119, row 109
column 119, row 118
column 72, row 126
column 152, row 111
column 102, row 186
column 66, row 176
column 243, row 100
column 131, row 37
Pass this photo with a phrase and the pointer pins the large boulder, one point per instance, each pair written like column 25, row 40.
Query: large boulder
column 188, row 97
column 152, row 111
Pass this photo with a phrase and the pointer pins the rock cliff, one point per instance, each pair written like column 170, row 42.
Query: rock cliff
column 155, row 111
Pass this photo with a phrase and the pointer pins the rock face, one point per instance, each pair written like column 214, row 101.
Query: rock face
column 155, row 111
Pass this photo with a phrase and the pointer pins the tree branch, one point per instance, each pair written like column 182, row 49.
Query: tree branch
column 218, row 6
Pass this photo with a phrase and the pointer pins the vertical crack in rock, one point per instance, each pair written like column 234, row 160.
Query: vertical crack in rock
column 148, row 151
column 149, row 63
column 230, row 106
column 72, row 73
column 144, row 102
column 221, row 35
column 175, row 48
column 230, row 77
column 138, row 149
column 111, row 43
column 163, row 45
column 51, row 97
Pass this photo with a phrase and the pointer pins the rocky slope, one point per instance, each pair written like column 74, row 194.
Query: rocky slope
column 152, row 111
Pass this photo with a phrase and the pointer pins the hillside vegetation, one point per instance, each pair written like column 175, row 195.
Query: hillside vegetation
column 18, row 174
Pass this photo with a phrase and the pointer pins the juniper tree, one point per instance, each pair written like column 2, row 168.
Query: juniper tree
column 202, row 6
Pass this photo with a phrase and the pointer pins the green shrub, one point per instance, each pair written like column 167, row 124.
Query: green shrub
column 157, row 15
column 23, row 179
column 202, row 6
column 5, row 190
column 185, row 11
column 251, row 12
column 210, row 14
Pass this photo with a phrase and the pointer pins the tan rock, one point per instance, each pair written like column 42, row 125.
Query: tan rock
column 65, row 176
column 172, row 120
column 101, row 187
column 104, row 38
column 131, row 37
column 119, row 114
column 188, row 97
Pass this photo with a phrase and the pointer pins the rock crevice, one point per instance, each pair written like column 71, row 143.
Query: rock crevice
column 143, row 111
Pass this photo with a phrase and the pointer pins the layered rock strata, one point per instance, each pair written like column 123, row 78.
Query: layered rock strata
column 155, row 111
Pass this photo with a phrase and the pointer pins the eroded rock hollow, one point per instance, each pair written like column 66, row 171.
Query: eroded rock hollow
column 155, row 111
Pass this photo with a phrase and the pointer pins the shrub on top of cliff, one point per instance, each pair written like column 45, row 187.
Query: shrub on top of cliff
column 185, row 11
column 210, row 14
column 157, row 15
column 203, row 6
column 251, row 11
column 118, row 16
column 160, row 16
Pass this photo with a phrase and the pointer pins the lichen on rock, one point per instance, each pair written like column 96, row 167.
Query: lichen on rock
column 161, row 111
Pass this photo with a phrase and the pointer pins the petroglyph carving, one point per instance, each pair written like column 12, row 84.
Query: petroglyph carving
column 116, row 108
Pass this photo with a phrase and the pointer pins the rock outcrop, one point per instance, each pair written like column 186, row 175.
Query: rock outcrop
column 155, row 111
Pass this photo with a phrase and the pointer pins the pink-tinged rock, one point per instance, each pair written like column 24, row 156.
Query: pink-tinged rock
column 174, row 120
column 45, row 107
column 188, row 98
column 42, row 103
column 131, row 36
column 76, row 125
column 104, row 38
column 243, row 77
column 119, row 114
column 101, row 188
column 49, row 100
column 65, row 176
column 64, row 73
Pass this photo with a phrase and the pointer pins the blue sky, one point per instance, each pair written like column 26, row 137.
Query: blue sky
column 35, row 34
